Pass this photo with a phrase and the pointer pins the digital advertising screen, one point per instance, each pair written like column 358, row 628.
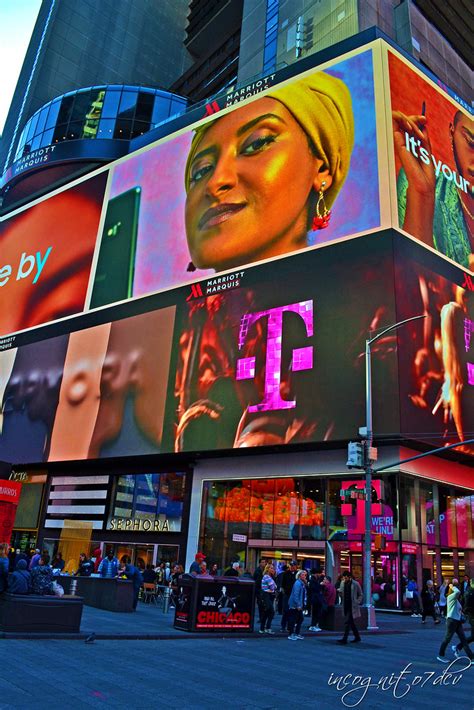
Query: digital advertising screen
column 93, row 393
column 436, row 353
column 293, row 167
column 46, row 256
column 433, row 146
column 269, row 355
column 278, row 358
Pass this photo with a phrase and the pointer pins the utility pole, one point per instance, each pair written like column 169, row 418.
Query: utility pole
column 368, row 459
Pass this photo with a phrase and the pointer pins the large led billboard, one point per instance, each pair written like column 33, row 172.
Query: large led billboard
column 46, row 254
column 256, row 181
column 433, row 146
column 270, row 355
column 89, row 393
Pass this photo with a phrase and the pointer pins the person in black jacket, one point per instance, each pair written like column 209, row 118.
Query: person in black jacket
column 287, row 581
column 428, row 599
column 233, row 570
column 19, row 582
column 316, row 599
column 86, row 567
column 135, row 576
column 258, row 575
column 149, row 575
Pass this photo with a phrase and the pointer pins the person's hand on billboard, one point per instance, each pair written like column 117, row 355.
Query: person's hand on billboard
column 413, row 148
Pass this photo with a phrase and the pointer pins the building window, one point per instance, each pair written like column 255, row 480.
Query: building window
column 148, row 502
column 271, row 32
column 111, row 103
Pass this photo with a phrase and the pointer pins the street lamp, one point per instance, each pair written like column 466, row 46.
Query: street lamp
column 367, row 461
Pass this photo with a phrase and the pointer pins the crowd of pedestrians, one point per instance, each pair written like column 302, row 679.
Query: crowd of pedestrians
column 292, row 595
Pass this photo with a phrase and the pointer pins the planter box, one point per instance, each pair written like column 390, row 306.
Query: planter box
column 31, row 612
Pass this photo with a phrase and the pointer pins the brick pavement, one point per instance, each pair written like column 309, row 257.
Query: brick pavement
column 255, row 673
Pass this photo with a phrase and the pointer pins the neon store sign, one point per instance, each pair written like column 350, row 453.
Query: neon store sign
column 354, row 511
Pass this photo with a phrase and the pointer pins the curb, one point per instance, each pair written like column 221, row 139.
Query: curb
column 83, row 635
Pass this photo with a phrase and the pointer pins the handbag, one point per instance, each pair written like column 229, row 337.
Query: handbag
column 409, row 594
column 58, row 590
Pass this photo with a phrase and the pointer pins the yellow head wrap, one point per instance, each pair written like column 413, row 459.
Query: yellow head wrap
column 322, row 106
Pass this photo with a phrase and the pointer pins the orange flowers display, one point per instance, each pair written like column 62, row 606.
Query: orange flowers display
column 265, row 502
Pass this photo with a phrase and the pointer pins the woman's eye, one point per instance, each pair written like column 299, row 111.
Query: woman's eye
column 198, row 173
column 257, row 144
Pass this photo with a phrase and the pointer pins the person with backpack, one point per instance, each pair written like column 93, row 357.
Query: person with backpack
column 19, row 581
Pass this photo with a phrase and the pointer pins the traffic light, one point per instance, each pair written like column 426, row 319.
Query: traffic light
column 355, row 454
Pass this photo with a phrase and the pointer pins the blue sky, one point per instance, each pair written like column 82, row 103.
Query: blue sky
column 17, row 19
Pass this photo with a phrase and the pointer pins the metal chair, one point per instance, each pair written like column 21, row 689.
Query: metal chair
column 149, row 593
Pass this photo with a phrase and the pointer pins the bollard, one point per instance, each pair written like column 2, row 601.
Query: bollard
column 166, row 600
column 72, row 590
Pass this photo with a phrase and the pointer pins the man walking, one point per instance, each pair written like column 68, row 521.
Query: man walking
column 351, row 594
column 297, row 602
column 454, row 623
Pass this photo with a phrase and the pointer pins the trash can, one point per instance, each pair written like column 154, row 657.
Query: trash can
column 217, row 604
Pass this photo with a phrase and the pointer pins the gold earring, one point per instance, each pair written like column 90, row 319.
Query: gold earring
column 323, row 214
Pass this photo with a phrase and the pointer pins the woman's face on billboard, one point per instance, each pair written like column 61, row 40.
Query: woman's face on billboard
column 250, row 184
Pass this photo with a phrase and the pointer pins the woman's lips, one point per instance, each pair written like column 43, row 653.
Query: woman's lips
column 215, row 215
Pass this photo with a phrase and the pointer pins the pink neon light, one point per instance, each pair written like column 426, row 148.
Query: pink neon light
column 302, row 357
column 468, row 330
column 470, row 373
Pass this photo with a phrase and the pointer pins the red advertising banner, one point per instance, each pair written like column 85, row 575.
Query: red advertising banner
column 9, row 499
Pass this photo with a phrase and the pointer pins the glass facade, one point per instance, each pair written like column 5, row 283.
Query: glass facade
column 148, row 502
column 419, row 528
column 271, row 36
column 113, row 111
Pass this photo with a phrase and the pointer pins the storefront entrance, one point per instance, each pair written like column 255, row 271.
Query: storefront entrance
column 313, row 559
column 143, row 555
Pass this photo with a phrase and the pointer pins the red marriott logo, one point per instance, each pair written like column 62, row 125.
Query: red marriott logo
column 211, row 108
column 468, row 283
column 196, row 292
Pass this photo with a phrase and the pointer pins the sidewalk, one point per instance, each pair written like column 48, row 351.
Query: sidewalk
column 150, row 622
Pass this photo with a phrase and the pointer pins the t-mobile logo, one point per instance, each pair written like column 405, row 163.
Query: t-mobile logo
column 302, row 357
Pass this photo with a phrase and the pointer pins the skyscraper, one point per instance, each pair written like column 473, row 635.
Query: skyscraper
column 75, row 45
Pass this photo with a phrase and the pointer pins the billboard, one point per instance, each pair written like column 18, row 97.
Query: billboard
column 436, row 361
column 433, row 146
column 256, row 181
column 92, row 393
column 270, row 355
column 279, row 359
column 46, row 256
